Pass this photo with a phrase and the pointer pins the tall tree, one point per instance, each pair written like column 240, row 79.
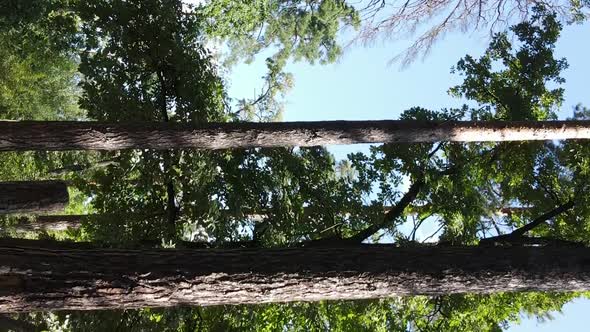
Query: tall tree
column 110, row 136
column 42, row 277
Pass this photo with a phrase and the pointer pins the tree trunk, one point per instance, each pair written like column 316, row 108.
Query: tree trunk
column 49, row 223
column 48, row 278
column 20, row 136
column 81, row 168
column 63, row 222
column 33, row 197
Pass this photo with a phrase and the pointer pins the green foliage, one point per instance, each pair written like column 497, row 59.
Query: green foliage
column 143, row 61
column 518, row 91
column 38, row 70
column 512, row 84
column 41, row 27
column 33, row 88
column 38, row 81
column 444, row 313
column 303, row 30
column 293, row 30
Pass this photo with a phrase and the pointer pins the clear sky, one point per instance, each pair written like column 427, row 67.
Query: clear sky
column 362, row 86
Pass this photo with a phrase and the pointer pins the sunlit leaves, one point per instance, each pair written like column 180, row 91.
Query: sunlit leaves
column 517, row 82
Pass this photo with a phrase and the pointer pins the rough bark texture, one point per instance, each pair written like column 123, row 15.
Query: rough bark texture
column 111, row 136
column 33, row 197
column 49, row 278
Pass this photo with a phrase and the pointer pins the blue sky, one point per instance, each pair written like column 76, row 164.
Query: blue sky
column 362, row 86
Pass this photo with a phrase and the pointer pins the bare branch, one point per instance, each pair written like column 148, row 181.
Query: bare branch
column 396, row 19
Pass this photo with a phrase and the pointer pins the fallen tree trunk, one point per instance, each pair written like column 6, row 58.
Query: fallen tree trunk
column 69, row 278
column 33, row 197
column 19, row 136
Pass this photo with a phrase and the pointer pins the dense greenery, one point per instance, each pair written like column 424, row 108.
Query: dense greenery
column 147, row 60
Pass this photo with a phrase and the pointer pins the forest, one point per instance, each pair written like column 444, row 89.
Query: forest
column 138, row 194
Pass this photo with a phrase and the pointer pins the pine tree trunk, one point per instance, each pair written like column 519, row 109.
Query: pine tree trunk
column 64, row 222
column 49, row 223
column 20, row 136
column 81, row 168
column 33, row 197
column 49, row 278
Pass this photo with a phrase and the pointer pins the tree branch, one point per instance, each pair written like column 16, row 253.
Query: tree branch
column 543, row 218
column 391, row 215
column 518, row 233
column 171, row 207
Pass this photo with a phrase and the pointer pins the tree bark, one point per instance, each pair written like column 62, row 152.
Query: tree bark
column 80, row 168
column 19, row 136
column 63, row 222
column 33, row 197
column 35, row 278
column 49, row 223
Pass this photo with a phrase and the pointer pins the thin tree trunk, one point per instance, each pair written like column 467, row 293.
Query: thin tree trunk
column 113, row 136
column 58, row 222
column 63, row 222
column 36, row 278
column 33, row 197
column 49, row 223
column 513, row 210
column 81, row 168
